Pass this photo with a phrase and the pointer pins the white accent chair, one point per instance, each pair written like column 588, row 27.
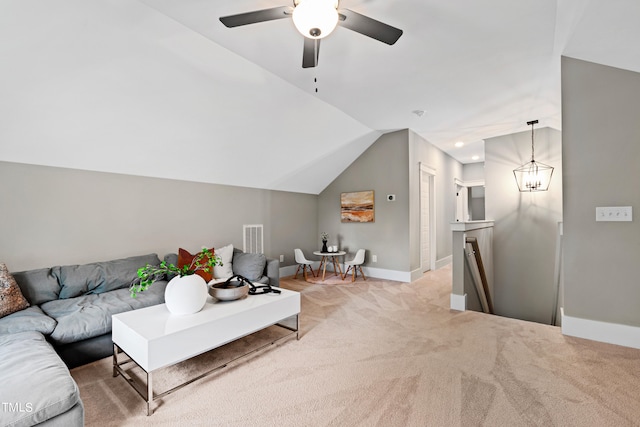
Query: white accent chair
column 302, row 262
column 354, row 265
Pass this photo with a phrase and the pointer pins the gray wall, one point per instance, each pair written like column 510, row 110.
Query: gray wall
column 525, row 225
column 447, row 170
column 476, row 203
column 53, row 216
column 601, row 151
column 383, row 167
column 392, row 166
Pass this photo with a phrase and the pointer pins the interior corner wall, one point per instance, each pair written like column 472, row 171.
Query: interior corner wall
column 601, row 151
column 473, row 172
column 526, row 224
column 447, row 170
column 57, row 216
column 383, row 168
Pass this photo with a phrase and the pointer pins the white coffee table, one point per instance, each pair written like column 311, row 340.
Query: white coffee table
column 153, row 338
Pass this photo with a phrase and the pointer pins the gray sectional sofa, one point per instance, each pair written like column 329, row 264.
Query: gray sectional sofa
column 68, row 324
column 72, row 305
column 36, row 387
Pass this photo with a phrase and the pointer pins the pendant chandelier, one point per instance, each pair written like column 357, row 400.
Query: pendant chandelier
column 533, row 176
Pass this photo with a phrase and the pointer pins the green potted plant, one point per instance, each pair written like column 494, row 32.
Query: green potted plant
column 186, row 292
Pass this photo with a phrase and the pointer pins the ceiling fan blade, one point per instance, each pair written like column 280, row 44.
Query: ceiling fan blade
column 310, row 52
column 257, row 16
column 369, row 27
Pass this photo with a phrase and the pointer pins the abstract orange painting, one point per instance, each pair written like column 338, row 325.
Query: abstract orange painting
column 357, row 206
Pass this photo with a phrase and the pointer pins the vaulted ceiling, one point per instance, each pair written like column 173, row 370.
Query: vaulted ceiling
column 161, row 88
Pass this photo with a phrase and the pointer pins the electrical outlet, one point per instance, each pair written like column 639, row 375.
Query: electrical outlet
column 281, row 258
column 374, row 258
column 614, row 213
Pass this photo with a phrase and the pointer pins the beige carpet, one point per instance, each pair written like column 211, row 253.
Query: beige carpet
column 381, row 353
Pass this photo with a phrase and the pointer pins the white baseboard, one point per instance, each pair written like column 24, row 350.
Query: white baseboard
column 289, row 270
column 416, row 274
column 444, row 261
column 458, row 302
column 378, row 273
column 381, row 273
column 612, row 333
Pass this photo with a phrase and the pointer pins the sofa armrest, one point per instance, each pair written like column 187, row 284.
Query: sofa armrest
column 272, row 271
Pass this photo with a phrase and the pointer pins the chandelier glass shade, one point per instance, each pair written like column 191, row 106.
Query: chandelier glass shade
column 533, row 176
column 315, row 19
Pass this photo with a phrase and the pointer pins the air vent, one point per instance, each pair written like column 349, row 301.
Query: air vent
column 252, row 235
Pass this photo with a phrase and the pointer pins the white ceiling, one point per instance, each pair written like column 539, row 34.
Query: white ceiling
column 99, row 85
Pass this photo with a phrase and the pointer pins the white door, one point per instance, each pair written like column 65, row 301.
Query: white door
column 425, row 229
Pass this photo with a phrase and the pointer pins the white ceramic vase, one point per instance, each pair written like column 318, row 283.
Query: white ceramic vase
column 186, row 294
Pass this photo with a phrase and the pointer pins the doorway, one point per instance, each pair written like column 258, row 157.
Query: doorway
column 469, row 201
column 462, row 206
column 427, row 218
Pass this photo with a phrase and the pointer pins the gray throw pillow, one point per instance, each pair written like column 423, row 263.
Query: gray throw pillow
column 38, row 286
column 249, row 265
column 99, row 277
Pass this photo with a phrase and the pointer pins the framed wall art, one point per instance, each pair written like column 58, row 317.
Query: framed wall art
column 357, row 206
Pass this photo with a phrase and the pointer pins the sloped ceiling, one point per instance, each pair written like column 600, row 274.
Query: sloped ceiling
column 161, row 88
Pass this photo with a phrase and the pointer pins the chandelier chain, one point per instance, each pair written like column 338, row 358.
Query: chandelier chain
column 532, row 149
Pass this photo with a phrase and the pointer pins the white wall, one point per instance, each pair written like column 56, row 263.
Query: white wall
column 116, row 86
column 473, row 172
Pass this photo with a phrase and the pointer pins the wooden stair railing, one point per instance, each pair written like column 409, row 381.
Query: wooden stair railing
column 483, row 288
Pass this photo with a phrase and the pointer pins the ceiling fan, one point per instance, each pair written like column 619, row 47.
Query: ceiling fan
column 316, row 19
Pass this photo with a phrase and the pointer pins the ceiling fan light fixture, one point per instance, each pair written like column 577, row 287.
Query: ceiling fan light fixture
column 315, row 19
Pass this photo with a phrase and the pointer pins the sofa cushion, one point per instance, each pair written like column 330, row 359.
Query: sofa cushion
column 29, row 319
column 99, row 277
column 171, row 258
column 224, row 271
column 38, row 286
column 89, row 315
column 249, row 265
column 50, row 389
column 185, row 258
column 11, row 298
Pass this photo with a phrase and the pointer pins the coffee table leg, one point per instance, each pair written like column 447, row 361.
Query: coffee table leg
column 115, row 360
column 149, row 392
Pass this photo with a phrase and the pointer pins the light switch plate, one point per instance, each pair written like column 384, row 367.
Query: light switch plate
column 614, row 213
